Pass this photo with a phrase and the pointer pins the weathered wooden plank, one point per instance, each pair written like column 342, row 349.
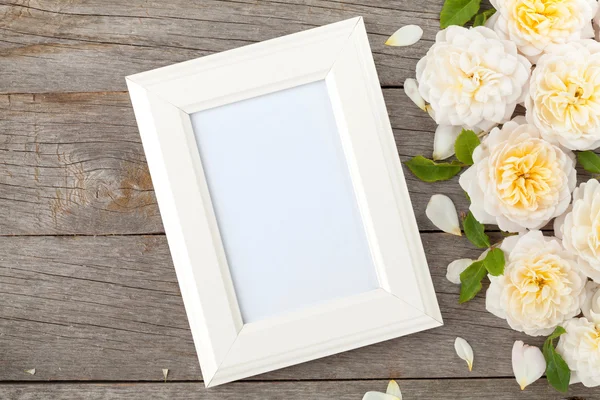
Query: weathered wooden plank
column 72, row 46
column 108, row 308
column 74, row 164
column 464, row 389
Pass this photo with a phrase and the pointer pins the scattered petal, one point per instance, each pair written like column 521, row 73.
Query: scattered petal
column 30, row 371
column 411, row 88
column 394, row 389
column 455, row 268
column 574, row 378
column 464, row 351
column 528, row 363
column 442, row 213
column 165, row 373
column 393, row 393
column 405, row 36
column 591, row 303
column 379, row 396
column 430, row 111
column 443, row 142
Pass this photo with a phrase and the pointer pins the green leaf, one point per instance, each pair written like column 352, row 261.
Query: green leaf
column 475, row 231
column 458, row 12
column 465, row 143
column 430, row 171
column 558, row 331
column 557, row 370
column 470, row 280
column 482, row 17
column 494, row 262
column 589, row 161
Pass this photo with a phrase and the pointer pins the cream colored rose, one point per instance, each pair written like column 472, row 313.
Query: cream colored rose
column 580, row 227
column 518, row 180
column 563, row 100
column 533, row 25
column 580, row 348
column 471, row 78
column 541, row 287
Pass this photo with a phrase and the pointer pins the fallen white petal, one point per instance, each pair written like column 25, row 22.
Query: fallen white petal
column 574, row 378
column 430, row 111
column 411, row 88
column 442, row 213
column 30, row 371
column 394, row 389
column 405, row 36
column 483, row 255
column 528, row 363
column 165, row 373
column 455, row 268
column 393, row 393
column 590, row 302
column 464, row 351
column 443, row 141
column 379, row 396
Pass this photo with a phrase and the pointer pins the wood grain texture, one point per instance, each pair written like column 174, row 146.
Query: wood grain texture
column 74, row 164
column 481, row 389
column 108, row 308
column 74, row 46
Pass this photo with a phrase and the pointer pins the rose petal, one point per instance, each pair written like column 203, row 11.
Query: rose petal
column 442, row 213
column 443, row 142
column 528, row 363
column 455, row 268
column 411, row 88
column 591, row 304
column 379, row 396
column 405, row 36
column 394, row 389
column 464, row 351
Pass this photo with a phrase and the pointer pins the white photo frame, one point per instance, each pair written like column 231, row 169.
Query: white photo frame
column 165, row 101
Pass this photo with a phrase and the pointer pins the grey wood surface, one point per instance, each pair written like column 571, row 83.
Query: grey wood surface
column 88, row 294
column 108, row 308
column 426, row 389
column 73, row 46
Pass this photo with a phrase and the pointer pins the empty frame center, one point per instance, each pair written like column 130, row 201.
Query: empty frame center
column 284, row 202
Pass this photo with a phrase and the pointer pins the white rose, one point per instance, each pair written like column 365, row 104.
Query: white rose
column 591, row 304
column 471, row 78
column 563, row 100
column 580, row 348
column 580, row 227
column 518, row 180
column 533, row 25
column 541, row 287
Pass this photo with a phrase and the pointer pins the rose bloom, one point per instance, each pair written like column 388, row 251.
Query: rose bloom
column 533, row 25
column 471, row 78
column 580, row 227
column 563, row 100
column 580, row 348
column 541, row 286
column 518, row 180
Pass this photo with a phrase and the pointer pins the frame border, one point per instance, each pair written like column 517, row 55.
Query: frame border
column 163, row 100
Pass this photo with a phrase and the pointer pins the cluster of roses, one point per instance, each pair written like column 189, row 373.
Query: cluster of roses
column 542, row 54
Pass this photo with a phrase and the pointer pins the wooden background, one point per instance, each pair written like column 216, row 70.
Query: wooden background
column 88, row 294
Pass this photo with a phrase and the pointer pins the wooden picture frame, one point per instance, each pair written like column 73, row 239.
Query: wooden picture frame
column 340, row 56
